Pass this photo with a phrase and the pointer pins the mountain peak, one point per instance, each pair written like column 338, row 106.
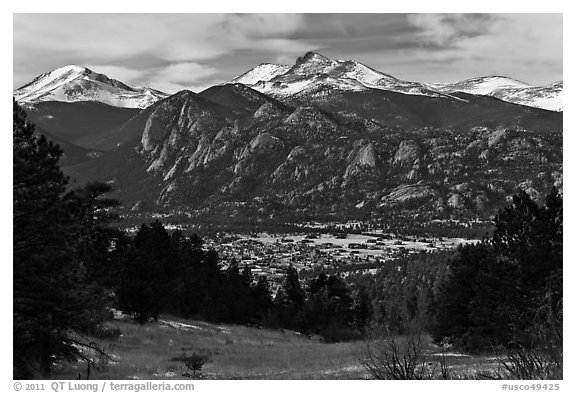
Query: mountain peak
column 73, row 83
column 185, row 93
column 312, row 57
column 71, row 68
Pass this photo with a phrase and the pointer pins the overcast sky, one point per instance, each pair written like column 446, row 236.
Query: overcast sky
column 171, row 52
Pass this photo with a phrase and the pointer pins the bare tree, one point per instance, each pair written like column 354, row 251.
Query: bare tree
column 388, row 356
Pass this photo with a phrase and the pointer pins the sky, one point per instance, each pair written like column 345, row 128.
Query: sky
column 172, row 52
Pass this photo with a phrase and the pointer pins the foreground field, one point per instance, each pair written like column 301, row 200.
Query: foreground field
column 240, row 352
column 147, row 352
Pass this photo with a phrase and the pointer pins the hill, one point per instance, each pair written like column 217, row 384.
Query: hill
column 88, row 124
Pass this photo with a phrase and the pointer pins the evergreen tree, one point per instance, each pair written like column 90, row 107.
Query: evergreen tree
column 53, row 296
column 262, row 299
column 329, row 308
column 148, row 277
column 531, row 238
column 101, row 245
column 292, row 287
column 495, row 289
column 289, row 301
column 198, row 273
column 247, row 277
column 362, row 308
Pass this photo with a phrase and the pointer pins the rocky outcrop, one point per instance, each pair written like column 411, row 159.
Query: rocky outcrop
column 408, row 154
column 261, row 146
column 360, row 159
column 406, row 192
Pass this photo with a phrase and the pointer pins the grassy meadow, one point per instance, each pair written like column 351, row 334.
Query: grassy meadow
column 239, row 352
column 233, row 351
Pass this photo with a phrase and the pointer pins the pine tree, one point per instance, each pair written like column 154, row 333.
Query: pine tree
column 53, row 296
column 292, row 287
column 101, row 245
column 495, row 289
column 362, row 308
column 148, row 277
column 262, row 298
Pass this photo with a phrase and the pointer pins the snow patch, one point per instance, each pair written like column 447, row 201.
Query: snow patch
column 179, row 325
column 263, row 72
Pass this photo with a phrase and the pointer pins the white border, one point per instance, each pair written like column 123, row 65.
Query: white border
column 166, row 6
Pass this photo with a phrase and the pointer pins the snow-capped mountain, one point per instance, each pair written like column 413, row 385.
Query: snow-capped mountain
column 313, row 71
column 510, row 90
column 262, row 72
column 74, row 83
column 545, row 97
column 482, row 85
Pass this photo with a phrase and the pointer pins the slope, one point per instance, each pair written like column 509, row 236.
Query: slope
column 85, row 123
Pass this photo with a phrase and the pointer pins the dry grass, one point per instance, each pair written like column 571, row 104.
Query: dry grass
column 147, row 352
column 414, row 356
column 241, row 352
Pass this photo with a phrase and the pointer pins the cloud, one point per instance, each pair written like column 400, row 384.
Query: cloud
column 172, row 88
column 172, row 37
column 522, row 46
column 146, row 41
column 184, row 72
column 262, row 25
column 443, row 29
column 142, row 48
column 113, row 36
column 180, row 76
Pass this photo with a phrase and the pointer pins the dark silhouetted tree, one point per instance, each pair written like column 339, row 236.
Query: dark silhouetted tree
column 53, row 294
column 495, row 289
column 148, row 277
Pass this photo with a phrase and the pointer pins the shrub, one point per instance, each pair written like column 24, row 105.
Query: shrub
column 193, row 362
column 538, row 353
column 397, row 357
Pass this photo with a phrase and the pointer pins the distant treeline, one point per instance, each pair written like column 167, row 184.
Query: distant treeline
column 397, row 224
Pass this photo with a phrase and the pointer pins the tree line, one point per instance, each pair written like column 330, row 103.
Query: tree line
column 161, row 272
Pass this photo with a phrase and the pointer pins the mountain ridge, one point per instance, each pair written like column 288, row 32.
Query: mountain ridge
column 332, row 147
column 214, row 160
column 547, row 97
column 286, row 81
column 311, row 71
